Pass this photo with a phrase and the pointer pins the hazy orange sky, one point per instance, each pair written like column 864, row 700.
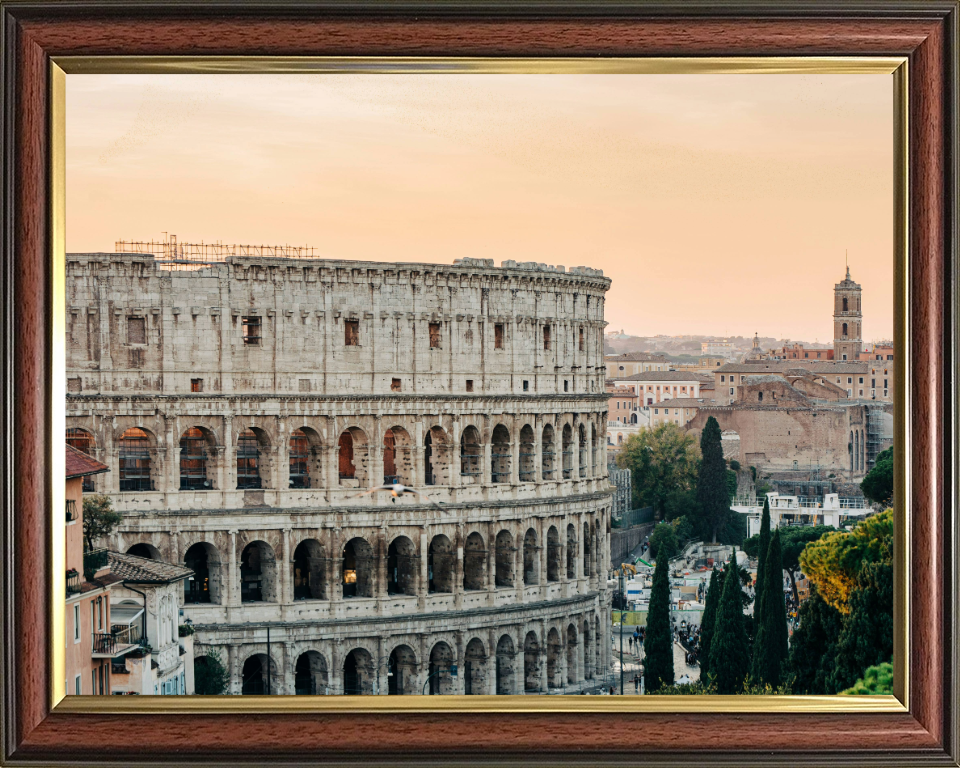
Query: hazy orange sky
column 718, row 204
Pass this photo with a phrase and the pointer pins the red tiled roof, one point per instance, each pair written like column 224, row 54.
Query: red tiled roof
column 79, row 464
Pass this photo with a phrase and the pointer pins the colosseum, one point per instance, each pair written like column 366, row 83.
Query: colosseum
column 243, row 406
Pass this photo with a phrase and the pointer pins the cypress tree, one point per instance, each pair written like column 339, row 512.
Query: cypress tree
column 658, row 643
column 762, row 547
column 770, row 648
column 712, row 501
column 729, row 651
column 813, row 648
column 709, row 622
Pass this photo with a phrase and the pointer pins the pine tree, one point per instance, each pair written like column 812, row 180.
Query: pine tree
column 762, row 552
column 709, row 621
column 712, row 500
column 729, row 651
column 658, row 643
column 770, row 648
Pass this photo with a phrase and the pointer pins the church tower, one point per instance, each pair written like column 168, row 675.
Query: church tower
column 847, row 320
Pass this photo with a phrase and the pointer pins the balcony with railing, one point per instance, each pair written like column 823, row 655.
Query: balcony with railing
column 93, row 561
column 73, row 582
column 120, row 640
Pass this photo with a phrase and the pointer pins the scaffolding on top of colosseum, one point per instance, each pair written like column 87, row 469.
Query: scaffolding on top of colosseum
column 173, row 255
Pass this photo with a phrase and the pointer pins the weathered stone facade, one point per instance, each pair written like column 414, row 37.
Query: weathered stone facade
column 245, row 405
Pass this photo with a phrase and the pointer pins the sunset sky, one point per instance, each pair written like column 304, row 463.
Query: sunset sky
column 718, row 204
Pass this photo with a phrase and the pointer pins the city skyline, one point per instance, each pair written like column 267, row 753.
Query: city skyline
column 636, row 175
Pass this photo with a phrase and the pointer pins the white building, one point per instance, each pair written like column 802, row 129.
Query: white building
column 656, row 386
column 800, row 510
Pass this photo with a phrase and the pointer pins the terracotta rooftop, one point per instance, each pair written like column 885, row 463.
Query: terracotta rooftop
column 80, row 464
column 662, row 376
column 143, row 570
column 635, row 357
column 778, row 366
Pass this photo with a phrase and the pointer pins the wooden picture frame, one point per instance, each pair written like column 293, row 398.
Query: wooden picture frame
column 35, row 35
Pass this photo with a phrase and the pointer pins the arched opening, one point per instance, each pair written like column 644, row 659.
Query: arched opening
column 587, row 651
column 145, row 550
column 506, row 658
column 547, row 453
column 528, row 455
column 554, row 657
column 571, row 551
column 571, row 655
column 553, row 554
column 311, row 675
column 436, row 457
column 197, row 454
column 358, row 673
column 633, row 418
column 204, row 586
column 305, row 459
column 531, row 558
column 531, row 662
column 403, row 565
column 583, row 451
column 760, row 397
column 402, row 672
column 587, row 553
column 567, row 451
column 258, row 573
column 597, row 646
column 474, row 668
column 844, row 331
column 844, row 303
column 595, row 445
column 470, row 455
column 308, row 571
column 253, row 469
column 135, row 461
column 500, row 455
column 441, row 563
column 357, row 572
column 474, row 562
column 397, row 457
column 352, row 456
column 259, row 676
column 83, row 441
column 439, row 677
column 505, row 556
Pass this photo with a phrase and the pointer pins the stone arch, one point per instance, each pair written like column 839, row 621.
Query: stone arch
column 258, row 573
column 441, row 564
column 353, row 458
column 506, row 662
column 583, row 450
column 554, row 552
column 357, row 568
column 505, row 559
column 309, row 582
column 142, row 549
column 500, row 455
column 471, row 456
column 567, row 448
column 474, row 562
column 311, row 677
column 204, row 586
column 548, row 454
column 254, row 465
column 531, row 558
column 571, row 551
column 358, row 673
column 305, row 459
column 83, row 440
column 531, row 662
column 136, row 452
column 397, row 456
column 554, row 659
column 439, row 678
column 528, row 455
column 403, row 567
column 572, row 654
column 402, row 672
column 198, row 459
column 260, row 676
column 436, row 457
column 475, row 668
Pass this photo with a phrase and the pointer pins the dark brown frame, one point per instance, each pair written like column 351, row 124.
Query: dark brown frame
column 925, row 32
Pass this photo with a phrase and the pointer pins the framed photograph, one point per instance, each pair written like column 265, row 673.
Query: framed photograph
column 317, row 453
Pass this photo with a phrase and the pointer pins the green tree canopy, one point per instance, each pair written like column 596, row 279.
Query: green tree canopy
column 813, row 646
column 792, row 542
column 663, row 542
column 877, row 485
column 875, row 681
column 99, row 519
column 658, row 642
column 663, row 463
column 834, row 561
column 709, row 621
column 770, row 648
column 210, row 676
column 729, row 648
column 713, row 499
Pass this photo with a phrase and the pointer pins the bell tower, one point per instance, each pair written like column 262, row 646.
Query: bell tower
column 847, row 320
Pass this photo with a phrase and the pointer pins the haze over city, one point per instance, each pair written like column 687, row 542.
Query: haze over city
column 717, row 204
